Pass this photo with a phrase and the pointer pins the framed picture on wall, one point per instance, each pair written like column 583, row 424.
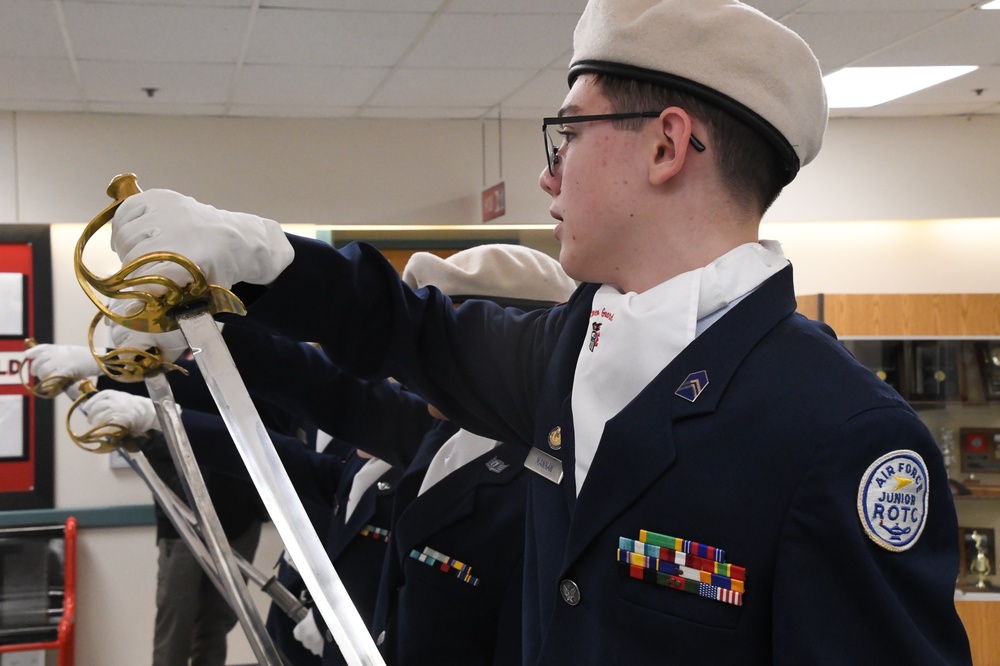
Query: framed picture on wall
column 26, row 421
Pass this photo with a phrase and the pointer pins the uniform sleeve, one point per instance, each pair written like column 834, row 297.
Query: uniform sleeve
column 480, row 364
column 313, row 475
column 841, row 597
column 376, row 416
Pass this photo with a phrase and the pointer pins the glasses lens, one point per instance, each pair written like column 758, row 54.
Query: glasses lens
column 551, row 148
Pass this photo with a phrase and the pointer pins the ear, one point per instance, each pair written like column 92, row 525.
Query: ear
column 671, row 144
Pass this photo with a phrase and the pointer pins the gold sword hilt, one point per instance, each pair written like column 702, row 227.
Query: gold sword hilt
column 154, row 315
column 99, row 439
column 158, row 296
column 103, row 438
column 46, row 388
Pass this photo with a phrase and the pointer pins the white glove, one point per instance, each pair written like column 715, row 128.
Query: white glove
column 70, row 361
column 130, row 411
column 307, row 633
column 228, row 247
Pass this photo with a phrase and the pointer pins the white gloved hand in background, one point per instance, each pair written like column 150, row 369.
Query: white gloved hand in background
column 73, row 361
column 130, row 411
column 307, row 633
column 228, row 247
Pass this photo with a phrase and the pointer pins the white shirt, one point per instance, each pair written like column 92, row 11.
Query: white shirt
column 461, row 448
column 366, row 476
column 632, row 337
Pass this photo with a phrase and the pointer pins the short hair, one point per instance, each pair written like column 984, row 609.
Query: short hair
column 748, row 164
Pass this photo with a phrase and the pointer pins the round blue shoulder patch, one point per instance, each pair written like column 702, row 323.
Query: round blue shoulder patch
column 892, row 500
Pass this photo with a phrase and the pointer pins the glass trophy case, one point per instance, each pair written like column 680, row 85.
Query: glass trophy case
column 954, row 386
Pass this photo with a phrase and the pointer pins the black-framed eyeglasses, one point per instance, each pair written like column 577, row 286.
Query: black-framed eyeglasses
column 552, row 148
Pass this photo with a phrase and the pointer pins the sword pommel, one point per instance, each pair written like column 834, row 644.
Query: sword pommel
column 123, row 186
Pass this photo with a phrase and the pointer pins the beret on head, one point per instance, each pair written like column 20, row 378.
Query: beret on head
column 508, row 274
column 722, row 51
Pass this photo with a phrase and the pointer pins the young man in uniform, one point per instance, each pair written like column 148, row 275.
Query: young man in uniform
column 717, row 479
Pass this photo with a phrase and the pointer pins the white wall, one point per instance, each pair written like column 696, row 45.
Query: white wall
column 903, row 205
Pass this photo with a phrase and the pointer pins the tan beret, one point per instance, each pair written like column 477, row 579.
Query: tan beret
column 510, row 274
column 723, row 51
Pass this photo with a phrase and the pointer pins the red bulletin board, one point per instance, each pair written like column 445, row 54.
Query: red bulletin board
column 26, row 422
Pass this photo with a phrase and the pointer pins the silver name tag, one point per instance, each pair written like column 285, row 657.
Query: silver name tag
column 544, row 465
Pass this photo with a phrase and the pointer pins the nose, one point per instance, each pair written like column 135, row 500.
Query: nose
column 548, row 182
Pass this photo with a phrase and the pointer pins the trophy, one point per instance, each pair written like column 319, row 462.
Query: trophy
column 980, row 564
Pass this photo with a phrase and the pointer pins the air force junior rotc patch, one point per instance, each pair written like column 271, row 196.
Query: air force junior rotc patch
column 892, row 500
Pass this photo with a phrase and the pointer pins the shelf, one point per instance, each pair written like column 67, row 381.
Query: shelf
column 981, row 492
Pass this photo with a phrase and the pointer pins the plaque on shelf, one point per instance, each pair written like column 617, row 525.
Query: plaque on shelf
column 979, row 449
column 883, row 357
column 937, row 372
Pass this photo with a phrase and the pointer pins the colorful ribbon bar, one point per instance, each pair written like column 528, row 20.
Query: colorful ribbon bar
column 446, row 564
column 683, row 559
column 705, row 590
column 674, row 569
column 375, row 532
column 682, row 545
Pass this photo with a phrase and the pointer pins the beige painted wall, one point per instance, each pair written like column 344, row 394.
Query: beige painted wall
column 905, row 205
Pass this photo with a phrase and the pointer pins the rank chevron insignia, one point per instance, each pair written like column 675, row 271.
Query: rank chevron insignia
column 692, row 386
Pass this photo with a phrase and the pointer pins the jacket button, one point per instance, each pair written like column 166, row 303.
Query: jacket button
column 570, row 592
column 380, row 639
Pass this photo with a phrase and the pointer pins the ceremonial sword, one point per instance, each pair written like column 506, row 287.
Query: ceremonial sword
column 190, row 308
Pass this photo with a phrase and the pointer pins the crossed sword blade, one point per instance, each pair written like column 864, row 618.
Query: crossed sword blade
column 269, row 477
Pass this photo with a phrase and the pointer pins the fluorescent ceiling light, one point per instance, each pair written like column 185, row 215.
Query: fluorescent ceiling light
column 859, row 87
column 991, row 5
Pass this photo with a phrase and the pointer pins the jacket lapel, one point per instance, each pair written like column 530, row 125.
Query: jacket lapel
column 453, row 498
column 638, row 446
column 363, row 512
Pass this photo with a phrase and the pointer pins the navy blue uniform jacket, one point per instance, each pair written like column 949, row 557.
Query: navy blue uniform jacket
column 475, row 514
column 765, row 464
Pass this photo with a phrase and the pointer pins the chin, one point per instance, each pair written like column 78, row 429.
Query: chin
column 570, row 267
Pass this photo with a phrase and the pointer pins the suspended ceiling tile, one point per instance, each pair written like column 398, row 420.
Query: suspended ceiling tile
column 30, row 28
column 448, row 88
column 126, row 82
column 311, row 87
column 493, row 41
column 346, row 39
column 156, row 33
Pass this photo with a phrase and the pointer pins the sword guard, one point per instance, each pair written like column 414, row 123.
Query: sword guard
column 46, row 388
column 157, row 295
column 103, row 438
column 128, row 364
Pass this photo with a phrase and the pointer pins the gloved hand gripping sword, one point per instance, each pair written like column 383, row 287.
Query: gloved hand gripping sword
column 156, row 304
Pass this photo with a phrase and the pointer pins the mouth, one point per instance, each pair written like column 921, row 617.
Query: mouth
column 557, row 231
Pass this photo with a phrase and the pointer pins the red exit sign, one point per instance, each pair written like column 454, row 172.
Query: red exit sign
column 494, row 204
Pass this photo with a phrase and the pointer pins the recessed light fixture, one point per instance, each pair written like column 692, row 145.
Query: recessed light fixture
column 861, row 87
column 995, row 4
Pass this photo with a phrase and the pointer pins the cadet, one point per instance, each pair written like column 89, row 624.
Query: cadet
column 708, row 460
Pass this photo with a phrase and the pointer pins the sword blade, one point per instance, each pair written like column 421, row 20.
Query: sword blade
column 234, row 587
column 186, row 523
column 276, row 491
